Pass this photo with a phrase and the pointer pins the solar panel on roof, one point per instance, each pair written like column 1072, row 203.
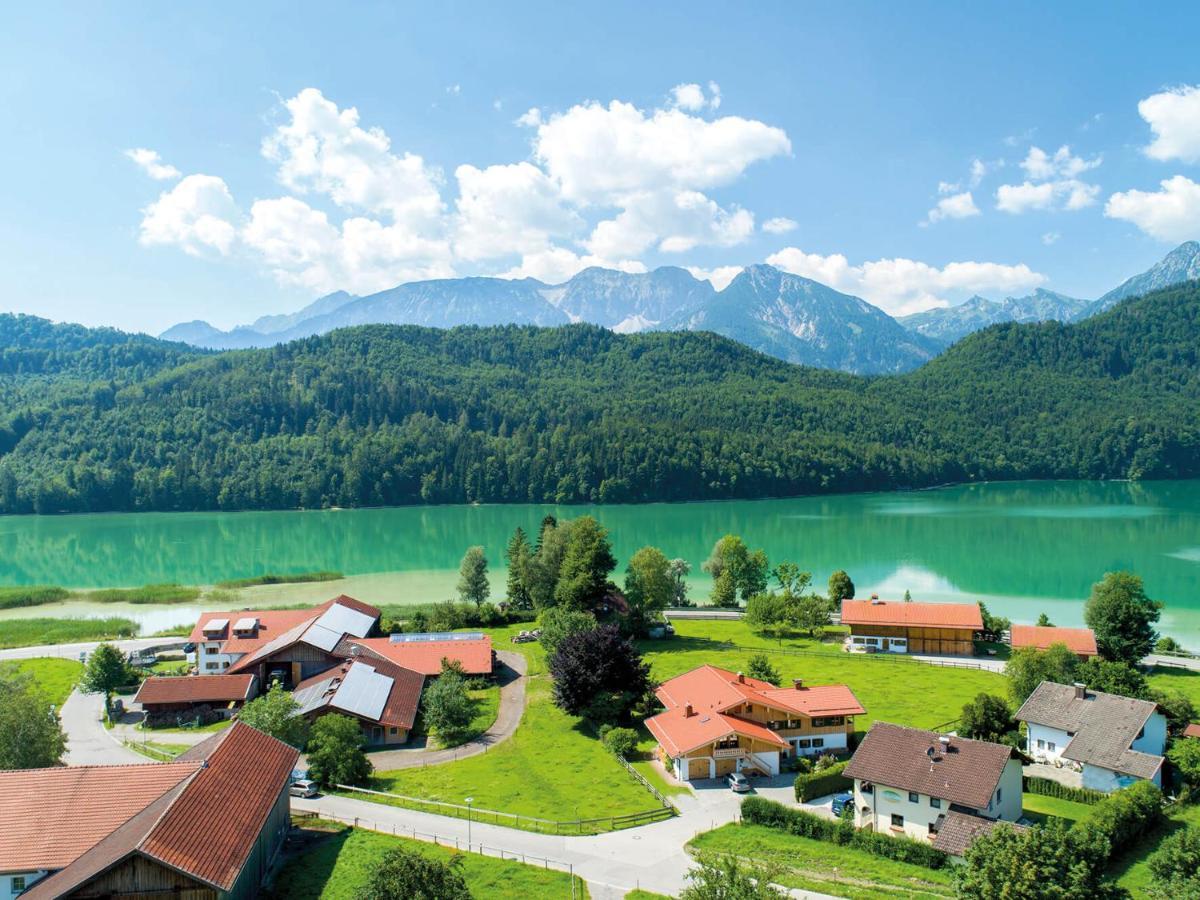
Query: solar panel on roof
column 428, row 636
column 345, row 620
column 363, row 691
column 321, row 637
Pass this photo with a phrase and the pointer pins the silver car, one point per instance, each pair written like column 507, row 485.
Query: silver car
column 303, row 788
column 738, row 783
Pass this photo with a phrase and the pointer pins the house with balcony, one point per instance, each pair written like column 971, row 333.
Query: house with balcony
column 717, row 722
column 1106, row 740
column 909, row 782
column 889, row 626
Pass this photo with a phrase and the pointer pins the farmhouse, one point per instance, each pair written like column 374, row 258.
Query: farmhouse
column 286, row 648
column 1080, row 641
column 717, row 722
column 205, row 827
column 916, row 783
column 382, row 696
column 878, row 626
column 159, row 695
column 1108, row 740
column 423, row 652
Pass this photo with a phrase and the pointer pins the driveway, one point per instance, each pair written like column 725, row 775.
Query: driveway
column 72, row 651
column 511, row 676
column 88, row 742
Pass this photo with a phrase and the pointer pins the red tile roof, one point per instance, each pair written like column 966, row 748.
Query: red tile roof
column 912, row 615
column 710, row 687
column 1081, row 641
column 195, row 689
column 822, row 700
column 1192, row 731
column 400, row 708
column 679, row 733
column 271, row 623
column 426, row 656
column 48, row 817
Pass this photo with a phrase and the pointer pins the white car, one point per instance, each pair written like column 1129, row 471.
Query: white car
column 738, row 783
column 303, row 788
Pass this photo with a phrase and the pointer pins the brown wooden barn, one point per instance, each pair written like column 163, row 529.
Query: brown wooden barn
column 890, row 626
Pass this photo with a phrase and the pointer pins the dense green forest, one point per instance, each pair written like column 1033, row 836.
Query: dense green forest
column 377, row 415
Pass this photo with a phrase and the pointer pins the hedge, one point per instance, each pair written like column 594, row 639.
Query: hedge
column 1048, row 788
column 827, row 781
column 1119, row 818
column 760, row 811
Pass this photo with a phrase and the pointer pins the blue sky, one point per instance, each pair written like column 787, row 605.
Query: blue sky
column 302, row 148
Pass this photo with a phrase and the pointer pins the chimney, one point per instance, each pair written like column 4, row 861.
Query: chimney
column 798, row 683
column 875, row 601
column 1080, row 690
column 687, row 711
column 741, row 678
column 944, row 740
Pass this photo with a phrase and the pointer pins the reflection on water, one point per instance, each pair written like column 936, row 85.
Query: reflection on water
column 1024, row 548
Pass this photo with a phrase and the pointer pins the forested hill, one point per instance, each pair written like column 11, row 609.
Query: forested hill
column 393, row 415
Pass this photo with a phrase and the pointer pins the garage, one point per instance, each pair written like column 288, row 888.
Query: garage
column 697, row 768
column 725, row 766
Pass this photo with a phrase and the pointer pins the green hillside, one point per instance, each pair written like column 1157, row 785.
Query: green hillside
column 393, row 415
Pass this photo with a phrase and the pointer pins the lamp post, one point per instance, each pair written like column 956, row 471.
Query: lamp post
column 469, row 801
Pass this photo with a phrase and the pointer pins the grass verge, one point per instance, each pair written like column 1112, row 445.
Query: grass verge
column 55, row 678
column 820, row 866
column 338, row 867
column 37, row 632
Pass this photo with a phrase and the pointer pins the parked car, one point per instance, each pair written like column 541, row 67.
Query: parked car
column 840, row 802
column 303, row 788
column 738, row 783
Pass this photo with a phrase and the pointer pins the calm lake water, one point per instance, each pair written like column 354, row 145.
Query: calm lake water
column 1023, row 548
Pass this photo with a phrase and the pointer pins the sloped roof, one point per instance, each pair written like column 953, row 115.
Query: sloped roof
column 195, row 689
column 956, row 831
column 335, row 689
column 912, row 759
column 272, row 623
column 1078, row 640
column 426, row 656
column 819, row 700
column 324, row 627
column 1192, row 730
column 205, row 824
column 912, row 615
column 679, row 733
column 1104, row 726
column 717, row 689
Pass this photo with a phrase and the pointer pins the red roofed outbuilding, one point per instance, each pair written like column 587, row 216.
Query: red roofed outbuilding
column 890, row 626
column 717, row 721
column 1080, row 641
column 424, row 652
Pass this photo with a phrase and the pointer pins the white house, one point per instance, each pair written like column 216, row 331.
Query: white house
column 910, row 782
column 1109, row 740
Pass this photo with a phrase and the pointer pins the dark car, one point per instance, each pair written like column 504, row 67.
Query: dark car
column 840, row 802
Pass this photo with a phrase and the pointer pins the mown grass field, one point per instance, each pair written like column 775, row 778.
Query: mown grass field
column 892, row 689
column 55, row 678
column 1182, row 681
column 338, row 868
column 37, row 632
column 824, row 867
column 1040, row 808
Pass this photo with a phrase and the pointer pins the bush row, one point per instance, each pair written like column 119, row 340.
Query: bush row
column 759, row 811
column 449, row 615
column 1048, row 788
column 827, row 781
column 34, row 595
column 1118, row 819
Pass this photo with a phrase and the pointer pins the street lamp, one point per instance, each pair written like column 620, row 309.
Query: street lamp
column 470, row 800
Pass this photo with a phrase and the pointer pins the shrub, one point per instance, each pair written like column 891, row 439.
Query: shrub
column 828, row 780
column 620, row 741
column 1175, row 865
column 405, row 874
column 1048, row 788
column 1120, row 817
column 825, row 761
column 759, row 811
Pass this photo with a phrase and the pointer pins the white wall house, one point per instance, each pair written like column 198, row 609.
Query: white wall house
column 907, row 779
column 13, row 884
column 1108, row 740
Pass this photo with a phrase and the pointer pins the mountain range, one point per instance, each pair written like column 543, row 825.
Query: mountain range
column 787, row 316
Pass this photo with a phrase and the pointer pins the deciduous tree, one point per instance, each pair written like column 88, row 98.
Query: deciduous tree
column 558, row 622
column 648, row 587
column 404, row 874
column 1123, row 617
column 447, row 707
column 988, row 718
column 1028, row 667
column 335, row 752
column 276, row 713
column 472, row 576
column 30, row 734
column 599, row 674
column 747, row 569
column 840, row 587
column 679, row 569
column 587, row 562
column 759, row 666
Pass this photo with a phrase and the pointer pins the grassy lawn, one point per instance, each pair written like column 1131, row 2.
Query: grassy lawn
column 645, row 895
column 36, row 632
column 535, row 657
column 550, row 768
column 824, row 867
column 211, row 728
column 1181, row 681
column 1131, row 869
column 338, row 867
column 891, row 689
column 55, row 678
column 1040, row 808
column 157, row 750
column 170, row 667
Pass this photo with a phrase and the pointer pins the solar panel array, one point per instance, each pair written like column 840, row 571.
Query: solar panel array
column 363, row 692
column 427, row 636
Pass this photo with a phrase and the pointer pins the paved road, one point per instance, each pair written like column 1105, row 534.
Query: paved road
column 88, row 743
column 651, row 857
column 72, row 651
column 508, row 717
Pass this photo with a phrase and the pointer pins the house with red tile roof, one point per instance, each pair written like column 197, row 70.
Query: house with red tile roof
column 717, row 722
column 1080, row 641
column 889, row 626
column 380, row 695
column 285, row 645
column 161, row 694
column 424, row 652
column 207, row 826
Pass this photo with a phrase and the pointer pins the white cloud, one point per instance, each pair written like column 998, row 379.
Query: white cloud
column 531, row 118
column 779, row 225
column 1052, row 184
column 720, row 276
column 956, row 206
column 454, row 89
column 557, row 264
column 1050, row 237
column 714, row 95
column 509, row 209
column 1174, row 117
column 151, row 163
column 902, row 286
column 672, row 222
column 949, row 187
column 979, row 169
column 691, row 97
column 197, row 215
column 1170, row 214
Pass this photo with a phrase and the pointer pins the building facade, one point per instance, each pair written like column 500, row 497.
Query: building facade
column 879, row 626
